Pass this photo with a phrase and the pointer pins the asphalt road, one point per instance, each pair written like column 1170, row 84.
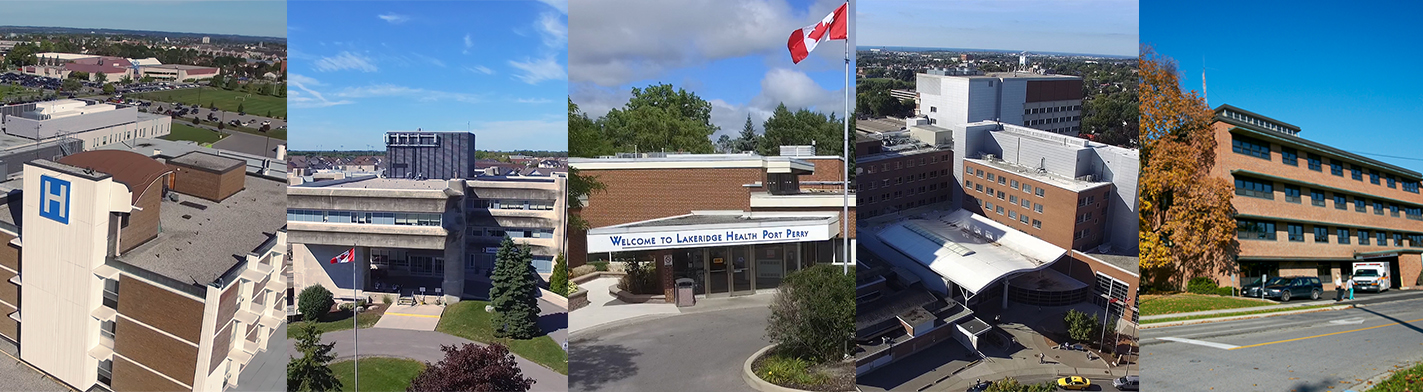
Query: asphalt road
column 1307, row 352
column 685, row 353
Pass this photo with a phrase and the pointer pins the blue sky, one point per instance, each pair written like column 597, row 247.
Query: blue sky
column 1341, row 72
column 360, row 69
column 731, row 53
column 255, row 18
column 1104, row 27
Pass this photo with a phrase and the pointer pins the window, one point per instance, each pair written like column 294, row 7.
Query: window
column 1289, row 156
column 1336, row 168
column 1024, row 218
column 978, row 187
column 990, row 177
column 1250, row 147
column 1013, row 199
column 1378, row 208
column 1363, row 237
column 1002, row 180
column 1024, row 202
column 1038, row 191
column 1390, row 182
column 1393, row 210
column 1340, row 202
column 1000, row 195
column 1296, row 232
column 1254, row 188
column 1012, row 214
column 1321, row 234
column 1254, row 230
column 1316, row 198
column 1015, row 184
column 1038, row 207
column 980, row 173
column 999, row 210
column 1415, row 240
column 1374, row 178
column 1037, row 224
column 1315, row 162
column 1382, row 237
column 1343, row 235
column 1413, row 212
column 1292, row 194
column 1361, row 205
column 111, row 293
column 1397, row 239
column 988, row 205
column 1356, row 173
column 1410, row 186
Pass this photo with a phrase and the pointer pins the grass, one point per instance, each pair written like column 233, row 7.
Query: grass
column 7, row 90
column 341, row 321
column 468, row 320
column 785, row 370
column 1246, row 313
column 378, row 374
column 188, row 132
column 256, row 104
column 1153, row 305
column 1405, row 380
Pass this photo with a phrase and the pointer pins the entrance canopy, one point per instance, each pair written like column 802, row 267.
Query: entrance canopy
column 715, row 228
column 970, row 250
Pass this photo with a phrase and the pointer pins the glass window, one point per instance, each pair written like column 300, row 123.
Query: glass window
column 1289, row 156
column 1378, row 208
column 1246, row 186
column 1037, row 224
column 1374, row 178
column 1340, row 202
column 1361, row 205
column 1296, row 232
column 1292, row 194
column 1363, row 237
column 1316, row 198
column 1251, row 147
column 1390, row 182
column 1315, row 162
column 1024, row 218
column 1336, row 168
column 1254, row 230
column 1343, row 235
column 1038, row 191
column 1382, row 237
column 1357, row 173
column 1321, row 234
column 1038, row 207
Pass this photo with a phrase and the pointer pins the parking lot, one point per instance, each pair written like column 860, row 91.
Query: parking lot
column 50, row 86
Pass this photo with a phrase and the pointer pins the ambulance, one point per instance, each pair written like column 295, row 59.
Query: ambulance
column 1371, row 275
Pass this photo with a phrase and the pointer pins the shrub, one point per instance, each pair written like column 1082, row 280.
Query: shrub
column 558, row 281
column 387, row 299
column 583, row 270
column 813, row 314
column 346, row 307
column 473, row 367
column 1225, row 291
column 1201, row 285
column 313, row 302
column 600, row 265
column 1011, row 385
column 572, row 287
column 641, row 278
column 786, row 370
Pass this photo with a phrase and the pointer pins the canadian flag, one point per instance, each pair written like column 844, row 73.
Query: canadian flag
column 345, row 257
column 834, row 26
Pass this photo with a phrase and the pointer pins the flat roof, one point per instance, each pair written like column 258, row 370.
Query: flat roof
column 202, row 239
column 373, row 182
column 207, row 161
column 881, row 124
column 1046, row 177
column 1129, row 263
column 970, row 250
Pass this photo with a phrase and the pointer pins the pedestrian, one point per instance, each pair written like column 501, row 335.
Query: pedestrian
column 1349, row 284
column 1338, row 289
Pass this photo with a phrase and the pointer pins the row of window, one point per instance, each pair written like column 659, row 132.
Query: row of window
column 501, row 232
column 1265, row 189
column 1002, row 180
column 497, row 204
column 1052, row 109
column 1247, row 229
column 900, row 164
column 1012, row 198
column 127, row 135
column 1289, row 156
column 1012, row 214
column 885, row 183
column 910, row 192
column 359, row 217
column 1055, row 120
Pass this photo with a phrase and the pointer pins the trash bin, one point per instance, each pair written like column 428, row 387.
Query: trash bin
column 686, row 292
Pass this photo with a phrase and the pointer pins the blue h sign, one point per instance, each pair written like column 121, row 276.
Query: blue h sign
column 54, row 199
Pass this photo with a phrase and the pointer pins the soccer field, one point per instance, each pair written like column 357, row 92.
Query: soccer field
column 254, row 104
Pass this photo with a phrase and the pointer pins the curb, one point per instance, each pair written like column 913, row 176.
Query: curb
column 1243, row 317
column 756, row 383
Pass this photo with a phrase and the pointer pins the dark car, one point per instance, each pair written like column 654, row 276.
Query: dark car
column 1286, row 287
column 980, row 387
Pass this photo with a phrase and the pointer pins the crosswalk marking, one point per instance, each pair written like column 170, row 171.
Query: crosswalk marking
column 1221, row 346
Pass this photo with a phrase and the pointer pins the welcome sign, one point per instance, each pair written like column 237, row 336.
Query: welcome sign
column 671, row 239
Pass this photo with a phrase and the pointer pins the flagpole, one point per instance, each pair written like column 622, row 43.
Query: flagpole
column 355, row 324
column 845, row 148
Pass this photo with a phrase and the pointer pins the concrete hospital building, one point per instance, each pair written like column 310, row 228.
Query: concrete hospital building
column 153, row 266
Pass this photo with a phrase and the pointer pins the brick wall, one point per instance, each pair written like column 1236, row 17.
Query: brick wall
column 143, row 225
column 895, row 184
column 171, row 357
column 130, row 377
column 1409, row 267
column 205, row 184
column 641, row 194
column 160, row 308
column 1060, row 207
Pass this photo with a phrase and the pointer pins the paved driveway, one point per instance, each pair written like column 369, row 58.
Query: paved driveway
column 687, row 353
column 423, row 346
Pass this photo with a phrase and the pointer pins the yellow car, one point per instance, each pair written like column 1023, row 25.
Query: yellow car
column 1074, row 383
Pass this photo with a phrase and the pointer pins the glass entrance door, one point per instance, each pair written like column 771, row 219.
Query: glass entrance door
column 718, row 279
column 770, row 266
column 741, row 270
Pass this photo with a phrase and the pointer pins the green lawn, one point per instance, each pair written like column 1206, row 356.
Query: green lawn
column 341, row 321
column 1152, row 305
column 1230, row 314
column 378, row 374
column 1410, row 379
column 183, row 131
column 8, row 90
column 468, row 320
column 280, row 134
column 226, row 100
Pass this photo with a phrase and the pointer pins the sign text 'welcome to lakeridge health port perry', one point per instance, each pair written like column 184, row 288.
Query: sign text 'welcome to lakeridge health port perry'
column 699, row 238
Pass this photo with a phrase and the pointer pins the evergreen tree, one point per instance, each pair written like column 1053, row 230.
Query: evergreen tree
column 748, row 139
column 558, row 283
column 310, row 372
column 516, row 309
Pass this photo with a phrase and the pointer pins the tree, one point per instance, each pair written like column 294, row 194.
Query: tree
column 70, row 85
column 580, row 187
column 558, row 282
column 216, row 81
column 802, row 127
column 513, row 295
column 108, row 88
column 126, row 80
column 196, row 121
column 748, row 139
column 80, row 75
column 265, row 128
column 241, row 109
column 585, row 139
column 101, row 77
column 725, row 144
column 472, row 367
column 311, row 372
column 1080, row 327
column 813, row 314
column 659, row 118
column 1187, row 223
column 313, row 302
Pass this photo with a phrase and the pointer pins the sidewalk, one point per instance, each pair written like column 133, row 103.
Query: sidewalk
column 1365, row 299
column 604, row 308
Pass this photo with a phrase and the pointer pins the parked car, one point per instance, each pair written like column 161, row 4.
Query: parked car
column 980, row 387
column 1286, row 287
column 1127, row 383
column 1076, row 383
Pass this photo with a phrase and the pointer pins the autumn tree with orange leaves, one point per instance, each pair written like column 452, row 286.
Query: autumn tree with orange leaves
column 1187, row 221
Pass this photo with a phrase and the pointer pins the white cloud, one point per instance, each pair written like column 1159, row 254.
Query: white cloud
column 468, row 43
column 560, row 5
column 479, row 69
column 538, row 70
column 534, row 100
column 553, row 30
column 420, row 94
column 344, row 61
column 431, row 60
column 394, row 18
column 299, row 99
